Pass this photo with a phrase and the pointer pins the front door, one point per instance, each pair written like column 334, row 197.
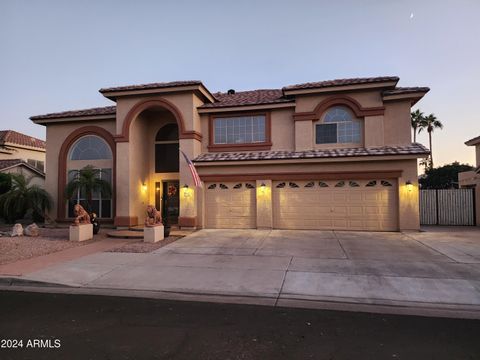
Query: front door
column 170, row 201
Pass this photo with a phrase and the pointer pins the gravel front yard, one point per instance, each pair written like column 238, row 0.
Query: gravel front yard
column 50, row 240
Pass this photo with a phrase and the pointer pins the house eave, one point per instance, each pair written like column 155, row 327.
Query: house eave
column 341, row 88
column 309, row 161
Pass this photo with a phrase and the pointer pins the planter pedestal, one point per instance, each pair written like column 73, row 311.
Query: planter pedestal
column 81, row 232
column 153, row 234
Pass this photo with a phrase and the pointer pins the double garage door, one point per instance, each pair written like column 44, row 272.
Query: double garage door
column 315, row 204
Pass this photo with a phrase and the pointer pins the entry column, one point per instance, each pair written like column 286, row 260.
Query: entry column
column 264, row 204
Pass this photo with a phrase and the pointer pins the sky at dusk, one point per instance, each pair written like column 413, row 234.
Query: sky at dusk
column 55, row 55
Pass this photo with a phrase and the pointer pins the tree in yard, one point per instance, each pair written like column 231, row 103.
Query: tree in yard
column 430, row 123
column 88, row 181
column 5, row 183
column 416, row 118
column 23, row 197
column 443, row 177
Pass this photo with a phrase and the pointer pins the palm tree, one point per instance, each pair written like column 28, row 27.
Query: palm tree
column 23, row 197
column 430, row 123
column 88, row 181
column 416, row 119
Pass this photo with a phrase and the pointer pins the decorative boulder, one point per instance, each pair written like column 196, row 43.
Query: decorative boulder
column 17, row 230
column 32, row 230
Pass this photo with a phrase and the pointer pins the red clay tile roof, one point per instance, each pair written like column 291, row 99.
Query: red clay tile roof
column 106, row 110
column 240, row 98
column 252, row 97
column 4, row 164
column 341, row 82
column 413, row 149
column 13, row 137
column 473, row 141
column 158, row 85
column 406, row 90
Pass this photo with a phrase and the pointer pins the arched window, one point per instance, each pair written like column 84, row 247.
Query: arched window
column 90, row 147
column 167, row 149
column 98, row 154
column 338, row 126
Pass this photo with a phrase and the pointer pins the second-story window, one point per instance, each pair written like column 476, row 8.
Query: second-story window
column 248, row 129
column 339, row 126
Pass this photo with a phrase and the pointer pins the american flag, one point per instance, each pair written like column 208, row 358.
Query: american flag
column 196, row 178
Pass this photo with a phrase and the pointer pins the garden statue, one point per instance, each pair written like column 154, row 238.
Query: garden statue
column 81, row 216
column 153, row 216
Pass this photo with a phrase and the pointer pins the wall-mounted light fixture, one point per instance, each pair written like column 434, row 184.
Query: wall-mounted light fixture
column 409, row 185
column 144, row 187
column 186, row 191
column 263, row 187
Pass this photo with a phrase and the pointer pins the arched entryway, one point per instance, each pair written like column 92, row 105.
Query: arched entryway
column 153, row 164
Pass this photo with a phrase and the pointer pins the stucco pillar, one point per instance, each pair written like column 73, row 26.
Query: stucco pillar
column 408, row 198
column 123, row 216
column 188, row 196
column 264, row 204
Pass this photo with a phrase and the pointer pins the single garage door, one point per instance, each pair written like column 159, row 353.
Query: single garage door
column 230, row 205
column 341, row 205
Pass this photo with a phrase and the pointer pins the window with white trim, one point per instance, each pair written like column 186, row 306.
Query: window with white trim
column 338, row 126
column 248, row 129
column 101, row 205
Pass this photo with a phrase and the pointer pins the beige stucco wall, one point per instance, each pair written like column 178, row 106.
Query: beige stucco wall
column 18, row 152
column 397, row 125
column 56, row 135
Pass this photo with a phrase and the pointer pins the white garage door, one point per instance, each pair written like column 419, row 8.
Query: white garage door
column 230, row 205
column 341, row 204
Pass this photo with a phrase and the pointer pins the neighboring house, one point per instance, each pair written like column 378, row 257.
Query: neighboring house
column 471, row 179
column 19, row 166
column 24, row 154
column 325, row 155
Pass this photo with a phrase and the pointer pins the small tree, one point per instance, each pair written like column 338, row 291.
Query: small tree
column 443, row 177
column 23, row 197
column 88, row 181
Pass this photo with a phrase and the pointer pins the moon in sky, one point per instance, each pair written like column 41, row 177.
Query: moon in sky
column 411, row 15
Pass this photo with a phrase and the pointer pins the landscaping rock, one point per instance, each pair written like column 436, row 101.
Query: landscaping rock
column 17, row 230
column 32, row 230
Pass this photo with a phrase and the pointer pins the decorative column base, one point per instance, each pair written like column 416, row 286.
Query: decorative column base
column 153, row 234
column 81, row 232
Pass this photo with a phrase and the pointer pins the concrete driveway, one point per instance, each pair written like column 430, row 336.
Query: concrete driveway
column 438, row 269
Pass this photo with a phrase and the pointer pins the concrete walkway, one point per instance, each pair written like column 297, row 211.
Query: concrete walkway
column 432, row 272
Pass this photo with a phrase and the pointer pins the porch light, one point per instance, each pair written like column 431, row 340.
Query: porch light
column 185, row 190
column 263, row 187
column 409, row 185
column 144, row 187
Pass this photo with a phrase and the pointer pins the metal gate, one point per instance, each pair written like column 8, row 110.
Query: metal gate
column 447, row 207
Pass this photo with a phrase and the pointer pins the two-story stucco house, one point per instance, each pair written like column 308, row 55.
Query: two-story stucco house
column 323, row 155
column 22, row 154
